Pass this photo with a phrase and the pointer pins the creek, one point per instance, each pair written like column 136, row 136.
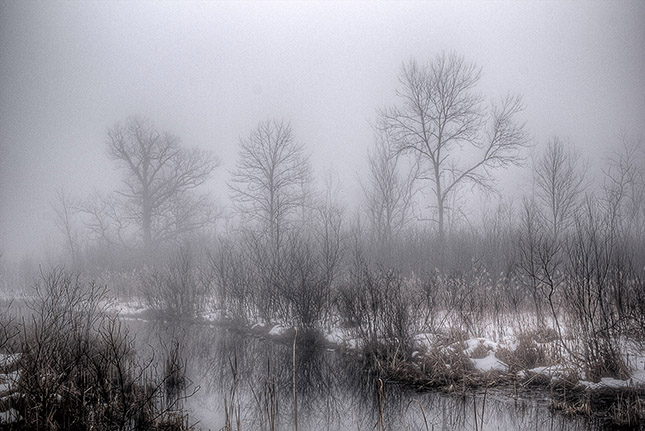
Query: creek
column 251, row 377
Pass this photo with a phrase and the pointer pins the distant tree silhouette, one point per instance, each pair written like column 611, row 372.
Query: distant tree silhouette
column 269, row 183
column 159, row 177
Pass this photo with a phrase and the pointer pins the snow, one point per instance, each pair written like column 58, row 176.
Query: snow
column 9, row 416
column 278, row 330
column 490, row 363
column 130, row 308
column 493, row 336
column 336, row 336
column 7, row 360
column 426, row 340
column 637, row 379
column 353, row 343
column 549, row 371
column 606, row 382
column 212, row 316
column 474, row 342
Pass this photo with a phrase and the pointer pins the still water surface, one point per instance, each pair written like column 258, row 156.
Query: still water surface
column 333, row 390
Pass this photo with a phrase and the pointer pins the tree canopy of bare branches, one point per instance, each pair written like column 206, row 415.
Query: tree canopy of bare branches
column 65, row 211
column 624, row 185
column 559, row 184
column 159, row 178
column 388, row 193
column 270, row 182
column 443, row 120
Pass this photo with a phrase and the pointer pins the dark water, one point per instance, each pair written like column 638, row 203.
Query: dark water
column 254, row 376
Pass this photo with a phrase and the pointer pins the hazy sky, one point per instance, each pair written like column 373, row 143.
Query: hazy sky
column 210, row 71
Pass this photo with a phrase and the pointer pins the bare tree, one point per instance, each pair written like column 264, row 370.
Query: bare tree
column 267, row 185
column 442, row 119
column 540, row 260
column 66, row 213
column 330, row 239
column 559, row 179
column 159, row 176
column 624, row 186
column 388, row 194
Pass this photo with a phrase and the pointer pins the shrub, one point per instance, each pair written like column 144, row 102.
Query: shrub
column 78, row 368
column 179, row 291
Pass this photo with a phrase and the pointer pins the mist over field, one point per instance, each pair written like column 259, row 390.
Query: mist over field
column 210, row 72
column 341, row 215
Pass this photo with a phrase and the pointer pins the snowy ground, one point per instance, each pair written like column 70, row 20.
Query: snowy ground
column 484, row 351
column 8, row 380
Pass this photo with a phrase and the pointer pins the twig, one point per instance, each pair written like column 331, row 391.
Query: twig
column 424, row 414
column 295, row 399
column 483, row 407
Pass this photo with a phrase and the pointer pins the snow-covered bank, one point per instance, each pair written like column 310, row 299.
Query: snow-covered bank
column 521, row 355
column 515, row 358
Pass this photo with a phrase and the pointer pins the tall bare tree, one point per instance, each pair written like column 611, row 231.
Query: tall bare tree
column 66, row 213
column 159, row 177
column 330, row 239
column 388, row 194
column 624, row 185
column 443, row 120
column 267, row 185
column 559, row 184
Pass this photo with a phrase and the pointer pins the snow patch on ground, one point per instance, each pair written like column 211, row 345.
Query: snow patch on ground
column 9, row 416
column 7, row 360
column 474, row 342
column 493, row 338
column 489, row 363
column 336, row 336
column 342, row 338
column 607, row 382
column 130, row 308
column 426, row 340
column 551, row 371
column 212, row 316
column 278, row 330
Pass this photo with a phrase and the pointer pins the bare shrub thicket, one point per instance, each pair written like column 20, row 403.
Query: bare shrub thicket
column 303, row 287
column 591, row 293
column 180, row 289
column 295, row 287
column 235, row 280
column 380, row 306
column 582, row 279
column 78, row 366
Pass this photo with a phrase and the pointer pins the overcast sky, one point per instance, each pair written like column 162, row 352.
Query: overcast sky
column 210, row 71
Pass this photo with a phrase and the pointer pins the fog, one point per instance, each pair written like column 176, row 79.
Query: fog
column 209, row 72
